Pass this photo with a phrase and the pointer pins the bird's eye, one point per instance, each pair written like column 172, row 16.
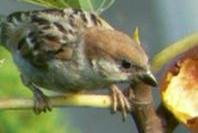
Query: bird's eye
column 126, row 64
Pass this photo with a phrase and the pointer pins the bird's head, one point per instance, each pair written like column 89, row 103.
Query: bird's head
column 117, row 56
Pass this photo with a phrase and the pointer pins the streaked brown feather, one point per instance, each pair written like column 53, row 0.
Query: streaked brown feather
column 64, row 54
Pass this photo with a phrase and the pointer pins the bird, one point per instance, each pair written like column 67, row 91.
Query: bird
column 72, row 50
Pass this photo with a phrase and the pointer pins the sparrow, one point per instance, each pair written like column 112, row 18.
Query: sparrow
column 71, row 50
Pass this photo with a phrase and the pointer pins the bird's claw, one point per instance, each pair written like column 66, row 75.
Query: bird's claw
column 41, row 103
column 120, row 102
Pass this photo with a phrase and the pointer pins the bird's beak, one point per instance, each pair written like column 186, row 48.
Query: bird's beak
column 148, row 78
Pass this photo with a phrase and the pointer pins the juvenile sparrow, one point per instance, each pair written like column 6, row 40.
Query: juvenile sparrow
column 72, row 50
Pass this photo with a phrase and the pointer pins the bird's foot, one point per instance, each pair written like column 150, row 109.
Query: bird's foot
column 41, row 102
column 120, row 102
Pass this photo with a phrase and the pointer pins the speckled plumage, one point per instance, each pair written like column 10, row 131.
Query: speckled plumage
column 71, row 50
column 43, row 44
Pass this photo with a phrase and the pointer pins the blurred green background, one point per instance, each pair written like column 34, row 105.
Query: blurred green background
column 160, row 22
column 25, row 121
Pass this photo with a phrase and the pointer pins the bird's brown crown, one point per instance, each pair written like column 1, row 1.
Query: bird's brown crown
column 117, row 45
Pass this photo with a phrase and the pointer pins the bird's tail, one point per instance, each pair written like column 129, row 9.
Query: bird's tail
column 2, row 19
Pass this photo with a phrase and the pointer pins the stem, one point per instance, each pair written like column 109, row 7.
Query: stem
column 71, row 100
column 173, row 50
column 144, row 113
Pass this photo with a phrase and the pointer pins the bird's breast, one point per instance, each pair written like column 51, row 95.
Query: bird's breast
column 61, row 76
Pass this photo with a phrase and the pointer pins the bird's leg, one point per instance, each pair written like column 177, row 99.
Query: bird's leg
column 41, row 101
column 120, row 101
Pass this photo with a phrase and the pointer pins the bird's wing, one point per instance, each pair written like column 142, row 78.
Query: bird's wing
column 46, row 34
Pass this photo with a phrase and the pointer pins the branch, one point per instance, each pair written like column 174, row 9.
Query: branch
column 144, row 113
column 71, row 100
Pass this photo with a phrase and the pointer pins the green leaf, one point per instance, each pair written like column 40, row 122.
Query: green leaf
column 2, row 61
column 24, row 121
column 97, row 6
column 54, row 3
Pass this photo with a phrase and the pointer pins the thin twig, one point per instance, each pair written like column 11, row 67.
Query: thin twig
column 71, row 100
